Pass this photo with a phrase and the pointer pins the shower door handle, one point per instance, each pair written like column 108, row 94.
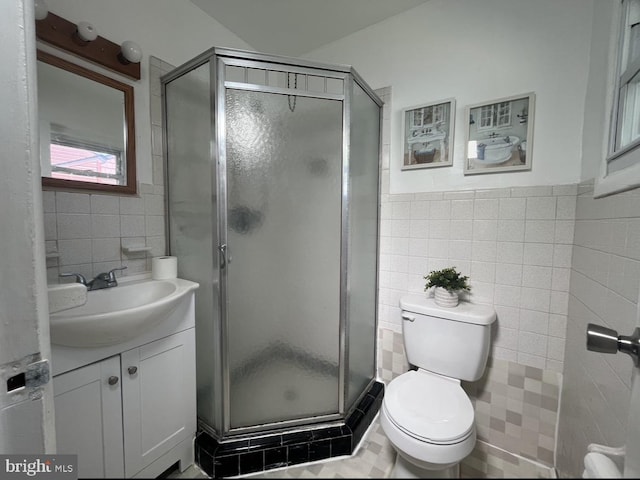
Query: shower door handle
column 225, row 256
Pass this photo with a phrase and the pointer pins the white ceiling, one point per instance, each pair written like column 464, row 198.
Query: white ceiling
column 295, row 27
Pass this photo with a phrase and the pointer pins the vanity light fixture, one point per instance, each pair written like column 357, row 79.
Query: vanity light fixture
column 83, row 40
column 85, row 33
column 41, row 9
column 130, row 52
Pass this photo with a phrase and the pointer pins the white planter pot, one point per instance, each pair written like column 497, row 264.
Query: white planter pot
column 444, row 298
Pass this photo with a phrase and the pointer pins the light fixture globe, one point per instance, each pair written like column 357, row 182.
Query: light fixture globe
column 130, row 52
column 87, row 32
column 41, row 9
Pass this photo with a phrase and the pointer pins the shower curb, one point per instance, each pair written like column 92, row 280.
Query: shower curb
column 239, row 457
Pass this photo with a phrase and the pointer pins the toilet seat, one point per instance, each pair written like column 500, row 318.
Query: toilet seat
column 429, row 408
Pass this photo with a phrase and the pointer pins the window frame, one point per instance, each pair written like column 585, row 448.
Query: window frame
column 627, row 176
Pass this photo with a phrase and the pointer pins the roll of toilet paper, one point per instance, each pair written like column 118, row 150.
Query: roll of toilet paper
column 164, row 267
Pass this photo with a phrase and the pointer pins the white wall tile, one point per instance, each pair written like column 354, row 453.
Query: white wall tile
column 419, row 209
column 439, row 229
column 558, row 325
column 154, row 225
column 561, row 279
column 486, row 209
column 153, row 204
column 534, row 321
column 462, row 209
column 50, row 226
column 461, row 230
column 540, row 254
column 536, row 276
column 508, row 317
column 507, row 295
column 105, row 204
column 460, row 249
column 417, row 247
column 533, row 344
column 104, row 226
column 399, row 246
column 73, row 202
column 48, row 201
column 417, row 229
column 438, row 248
column 399, row 228
column 535, row 298
column 399, row 210
column 72, row 225
column 74, row 251
column 566, row 208
column 483, row 271
column 485, row 229
column 440, row 209
column 508, row 273
column 105, row 249
column 562, row 255
column 511, row 230
column 132, row 225
column 541, row 208
column 564, row 231
column 512, row 208
column 483, row 251
column 539, row 231
column 510, row 252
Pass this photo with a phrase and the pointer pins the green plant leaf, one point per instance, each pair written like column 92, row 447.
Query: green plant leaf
column 447, row 278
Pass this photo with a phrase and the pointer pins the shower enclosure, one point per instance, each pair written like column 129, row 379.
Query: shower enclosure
column 272, row 187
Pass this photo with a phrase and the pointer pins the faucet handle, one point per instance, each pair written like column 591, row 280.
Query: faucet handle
column 78, row 276
column 112, row 275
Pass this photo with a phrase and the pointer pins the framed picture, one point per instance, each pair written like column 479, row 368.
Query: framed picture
column 500, row 135
column 428, row 135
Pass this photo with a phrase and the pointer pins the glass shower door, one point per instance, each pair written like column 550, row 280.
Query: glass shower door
column 283, row 234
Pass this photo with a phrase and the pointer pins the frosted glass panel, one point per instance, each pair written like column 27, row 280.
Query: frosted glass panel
column 363, row 235
column 284, row 221
column 193, row 222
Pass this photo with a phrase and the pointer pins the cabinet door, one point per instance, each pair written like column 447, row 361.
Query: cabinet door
column 158, row 398
column 88, row 412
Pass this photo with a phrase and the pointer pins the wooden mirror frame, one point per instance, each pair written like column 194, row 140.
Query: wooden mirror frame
column 129, row 117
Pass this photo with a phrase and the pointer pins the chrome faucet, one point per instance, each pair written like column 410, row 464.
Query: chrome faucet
column 493, row 135
column 78, row 276
column 102, row 280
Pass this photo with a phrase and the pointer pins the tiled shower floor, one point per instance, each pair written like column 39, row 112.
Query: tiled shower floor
column 374, row 459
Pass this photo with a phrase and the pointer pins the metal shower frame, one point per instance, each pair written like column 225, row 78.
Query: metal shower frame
column 218, row 59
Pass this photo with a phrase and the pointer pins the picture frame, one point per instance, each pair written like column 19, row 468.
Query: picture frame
column 500, row 135
column 427, row 132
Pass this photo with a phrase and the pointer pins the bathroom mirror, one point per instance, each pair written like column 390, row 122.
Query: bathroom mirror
column 86, row 122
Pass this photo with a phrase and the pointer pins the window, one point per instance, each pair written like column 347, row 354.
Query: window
column 622, row 166
column 72, row 159
column 497, row 115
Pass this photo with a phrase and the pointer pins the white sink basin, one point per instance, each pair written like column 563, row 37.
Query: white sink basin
column 115, row 315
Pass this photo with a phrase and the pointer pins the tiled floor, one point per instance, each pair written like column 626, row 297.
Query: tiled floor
column 374, row 459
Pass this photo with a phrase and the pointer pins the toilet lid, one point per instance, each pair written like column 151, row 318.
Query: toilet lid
column 429, row 407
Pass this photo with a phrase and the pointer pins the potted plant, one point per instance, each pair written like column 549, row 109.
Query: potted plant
column 448, row 284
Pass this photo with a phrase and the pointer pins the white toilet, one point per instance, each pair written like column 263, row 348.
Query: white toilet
column 426, row 414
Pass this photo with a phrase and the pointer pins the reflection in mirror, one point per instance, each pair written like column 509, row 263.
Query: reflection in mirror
column 86, row 128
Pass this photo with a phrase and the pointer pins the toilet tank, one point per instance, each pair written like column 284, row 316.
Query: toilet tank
column 453, row 342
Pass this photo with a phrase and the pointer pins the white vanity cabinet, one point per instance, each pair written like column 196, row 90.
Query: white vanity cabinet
column 122, row 414
column 129, row 410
